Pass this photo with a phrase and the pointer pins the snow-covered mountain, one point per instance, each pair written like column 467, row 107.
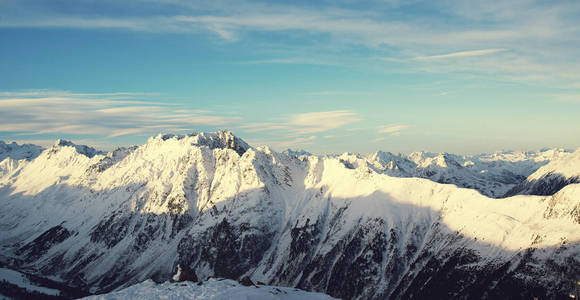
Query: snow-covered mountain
column 11, row 154
column 343, row 225
column 552, row 177
column 491, row 174
column 18, row 152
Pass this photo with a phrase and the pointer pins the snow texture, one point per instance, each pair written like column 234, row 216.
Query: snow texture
column 551, row 177
column 353, row 226
column 213, row 289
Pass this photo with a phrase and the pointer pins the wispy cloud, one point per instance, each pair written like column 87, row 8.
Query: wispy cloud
column 106, row 115
column 460, row 54
column 322, row 121
column 307, row 123
column 281, row 144
column 300, row 129
column 544, row 34
column 393, row 130
column 296, row 142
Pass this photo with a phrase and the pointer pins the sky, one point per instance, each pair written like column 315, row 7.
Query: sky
column 326, row 76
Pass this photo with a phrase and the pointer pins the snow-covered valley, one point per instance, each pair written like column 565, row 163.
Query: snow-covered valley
column 379, row 226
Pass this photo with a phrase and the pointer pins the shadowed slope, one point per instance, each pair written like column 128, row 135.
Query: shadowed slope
column 306, row 221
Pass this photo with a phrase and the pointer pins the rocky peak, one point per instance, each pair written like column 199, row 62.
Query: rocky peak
column 81, row 149
column 223, row 139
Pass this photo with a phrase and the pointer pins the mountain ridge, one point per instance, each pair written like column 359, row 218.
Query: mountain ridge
column 320, row 223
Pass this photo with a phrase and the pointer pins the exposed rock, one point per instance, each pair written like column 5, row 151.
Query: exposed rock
column 246, row 281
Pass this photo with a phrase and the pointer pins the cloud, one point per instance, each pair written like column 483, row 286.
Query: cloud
column 106, row 115
column 321, row 121
column 109, row 116
column 394, row 130
column 296, row 142
column 378, row 139
column 59, row 93
column 539, row 37
column 263, row 126
column 306, row 123
column 285, row 143
column 460, row 54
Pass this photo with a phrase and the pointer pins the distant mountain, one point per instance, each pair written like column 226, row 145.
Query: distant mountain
column 351, row 226
column 491, row 174
column 299, row 152
column 12, row 153
column 18, row 152
column 550, row 178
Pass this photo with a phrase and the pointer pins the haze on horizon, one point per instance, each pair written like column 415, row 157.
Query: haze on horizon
column 353, row 76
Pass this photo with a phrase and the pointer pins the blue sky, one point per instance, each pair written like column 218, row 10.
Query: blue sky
column 326, row 76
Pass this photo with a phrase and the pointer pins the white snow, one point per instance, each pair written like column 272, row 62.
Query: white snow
column 18, row 152
column 205, row 173
column 567, row 166
column 177, row 274
column 213, row 289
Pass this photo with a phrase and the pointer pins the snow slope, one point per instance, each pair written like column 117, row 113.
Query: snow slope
column 214, row 289
column 335, row 224
column 13, row 154
column 18, row 152
column 491, row 174
column 552, row 177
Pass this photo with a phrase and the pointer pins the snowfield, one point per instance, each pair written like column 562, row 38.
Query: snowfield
column 213, row 289
column 352, row 226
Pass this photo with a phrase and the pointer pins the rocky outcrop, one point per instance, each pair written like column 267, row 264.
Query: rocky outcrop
column 217, row 207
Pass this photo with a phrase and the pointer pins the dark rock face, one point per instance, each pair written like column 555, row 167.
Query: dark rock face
column 114, row 157
column 187, row 274
column 112, row 230
column 40, row 245
column 229, row 250
column 246, row 281
column 546, row 185
column 315, row 243
column 372, row 261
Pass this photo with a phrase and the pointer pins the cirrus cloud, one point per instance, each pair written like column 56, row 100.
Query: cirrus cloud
column 393, row 130
column 107, row 114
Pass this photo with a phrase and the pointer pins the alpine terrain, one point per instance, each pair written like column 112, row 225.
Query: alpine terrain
column 504, row 225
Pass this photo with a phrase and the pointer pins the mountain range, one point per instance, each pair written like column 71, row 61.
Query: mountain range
column 382, row 226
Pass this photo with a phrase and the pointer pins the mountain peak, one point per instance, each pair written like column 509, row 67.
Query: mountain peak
column 81, row 149
column 224, row 139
